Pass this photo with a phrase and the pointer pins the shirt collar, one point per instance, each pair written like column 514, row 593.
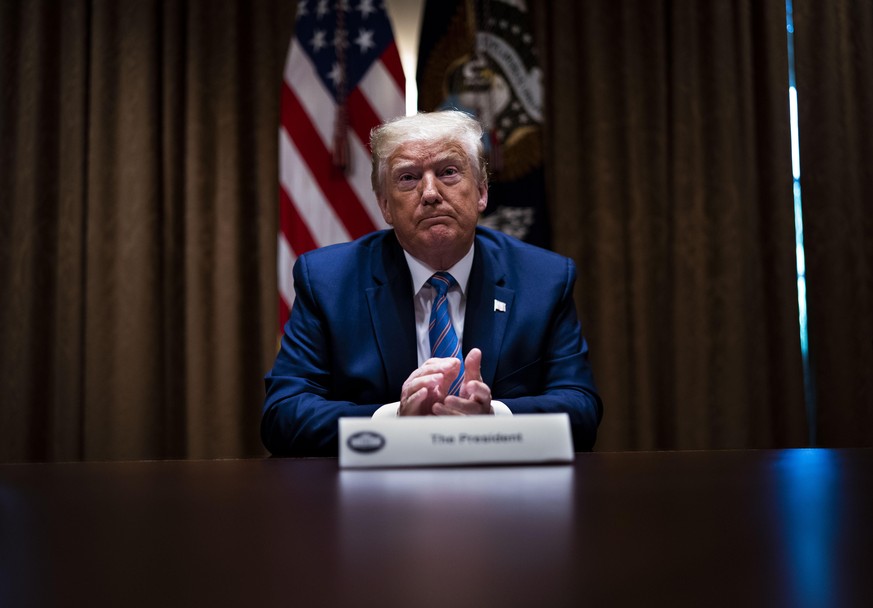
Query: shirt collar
column 421, row 272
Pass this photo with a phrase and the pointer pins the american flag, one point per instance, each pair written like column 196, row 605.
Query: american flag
column 342, row 77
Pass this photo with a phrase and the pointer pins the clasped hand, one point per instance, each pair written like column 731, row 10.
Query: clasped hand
column 425, row 392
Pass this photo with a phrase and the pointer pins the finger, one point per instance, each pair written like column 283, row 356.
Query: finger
column 479, row 392
column 460, row 406
column 439, row 364
column 433, row 367
column 473, row 365
column 473, row 373
column 421, row 371
column 432, row 383
column 448, row 408
column 409, row 403
column 449, row 368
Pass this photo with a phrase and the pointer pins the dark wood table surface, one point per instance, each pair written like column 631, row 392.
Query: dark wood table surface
column 723, row 528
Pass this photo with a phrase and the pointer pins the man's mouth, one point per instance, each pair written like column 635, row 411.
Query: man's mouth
column 435, row 218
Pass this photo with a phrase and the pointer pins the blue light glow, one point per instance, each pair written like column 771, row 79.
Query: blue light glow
column 809, row 391
column 810, row 510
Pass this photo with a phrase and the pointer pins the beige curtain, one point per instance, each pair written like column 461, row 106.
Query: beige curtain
column 138, row 224
column 671, row 167
column 834, row 42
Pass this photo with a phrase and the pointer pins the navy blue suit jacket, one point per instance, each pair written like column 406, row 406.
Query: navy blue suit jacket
column 350, row 342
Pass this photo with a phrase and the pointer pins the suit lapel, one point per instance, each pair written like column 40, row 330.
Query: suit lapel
column 485, row 324
column 392, row 312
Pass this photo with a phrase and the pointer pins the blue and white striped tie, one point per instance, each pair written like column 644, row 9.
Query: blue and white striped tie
column 443, row 339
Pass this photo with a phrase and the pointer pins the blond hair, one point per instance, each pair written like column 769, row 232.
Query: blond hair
column 428, row 127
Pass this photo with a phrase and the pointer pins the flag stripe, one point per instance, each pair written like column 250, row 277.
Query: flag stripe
column 359, row 181
column 361, row 115
column 320, row 203
column 319, row 108
column 391, row 61
column 319, row 105
column 318, row 158
column 383, row 94
column 295, row 231
column 302, row 188
column 286, row 260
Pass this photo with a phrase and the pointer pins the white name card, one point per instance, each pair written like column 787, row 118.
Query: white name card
column 454, row 440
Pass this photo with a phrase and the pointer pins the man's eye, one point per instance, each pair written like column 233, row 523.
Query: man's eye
column 406, row 181
column 450, row 171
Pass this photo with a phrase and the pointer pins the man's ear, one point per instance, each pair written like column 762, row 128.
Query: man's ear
column 483, row 197
column 386, row 211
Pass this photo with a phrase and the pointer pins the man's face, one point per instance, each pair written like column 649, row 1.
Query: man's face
column 433, row 200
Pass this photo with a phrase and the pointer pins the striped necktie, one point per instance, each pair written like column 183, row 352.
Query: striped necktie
column 443, row 339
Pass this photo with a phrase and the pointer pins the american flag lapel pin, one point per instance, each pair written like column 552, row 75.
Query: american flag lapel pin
column 499, row 306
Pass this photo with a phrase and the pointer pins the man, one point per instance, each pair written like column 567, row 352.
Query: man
column 383, row 318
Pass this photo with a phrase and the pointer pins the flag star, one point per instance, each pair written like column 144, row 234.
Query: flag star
column 365, row 8
column 322, row 9
column 334, row 74
column 301, row 9
column 365, row 40
column 318, row 41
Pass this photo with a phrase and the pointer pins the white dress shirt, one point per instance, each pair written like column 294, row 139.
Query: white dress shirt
column 423, row 297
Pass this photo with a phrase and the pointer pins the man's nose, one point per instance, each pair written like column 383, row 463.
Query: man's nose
column 430, row 194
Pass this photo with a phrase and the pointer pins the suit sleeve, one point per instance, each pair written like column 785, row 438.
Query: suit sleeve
column 564, row 381
column 299, row 418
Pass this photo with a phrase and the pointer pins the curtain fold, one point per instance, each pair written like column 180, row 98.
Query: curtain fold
column 671, row 159
column 834, row 58
column 43, row 130
column 139, row 226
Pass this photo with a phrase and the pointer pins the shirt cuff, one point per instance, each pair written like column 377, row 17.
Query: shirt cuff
column 500, row 408
column 389, row 410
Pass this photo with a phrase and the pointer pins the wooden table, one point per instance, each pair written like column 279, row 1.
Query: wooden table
column 729, row 528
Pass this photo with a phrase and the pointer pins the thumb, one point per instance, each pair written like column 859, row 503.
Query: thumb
column 473, row 365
